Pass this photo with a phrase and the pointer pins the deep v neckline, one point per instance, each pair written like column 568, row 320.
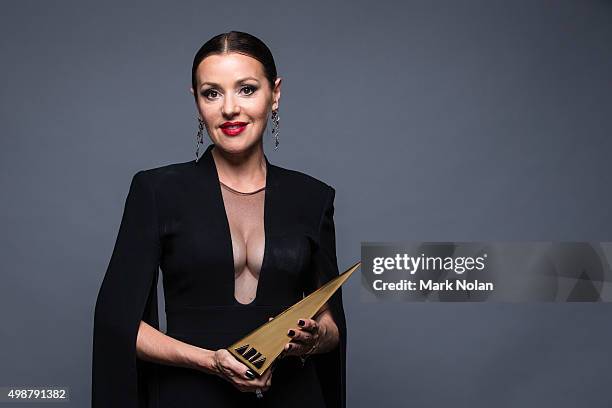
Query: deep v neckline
column 228, row 234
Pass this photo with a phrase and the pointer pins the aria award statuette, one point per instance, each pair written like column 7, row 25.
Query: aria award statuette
column 258, row 349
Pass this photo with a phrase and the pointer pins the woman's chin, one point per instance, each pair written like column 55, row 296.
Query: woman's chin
column 236, row 144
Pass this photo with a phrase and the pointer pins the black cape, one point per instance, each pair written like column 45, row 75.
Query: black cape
column 128, row 293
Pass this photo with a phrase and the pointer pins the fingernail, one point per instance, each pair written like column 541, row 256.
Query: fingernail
column 291, row 333
column 250, row 374
column 300, row 322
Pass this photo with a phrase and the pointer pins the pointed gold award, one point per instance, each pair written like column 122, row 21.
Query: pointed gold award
column 258, row 349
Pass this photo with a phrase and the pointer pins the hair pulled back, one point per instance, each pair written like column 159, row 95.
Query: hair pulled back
column 240, row 42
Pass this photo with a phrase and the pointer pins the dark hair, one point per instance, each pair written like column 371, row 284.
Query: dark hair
column 236, row 41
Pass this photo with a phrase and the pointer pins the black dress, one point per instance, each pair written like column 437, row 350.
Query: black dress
column 174, row 218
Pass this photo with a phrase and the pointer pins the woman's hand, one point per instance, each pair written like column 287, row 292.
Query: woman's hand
column 305, row 338
column 229, row 368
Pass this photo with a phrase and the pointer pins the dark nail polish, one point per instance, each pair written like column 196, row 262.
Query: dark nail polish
column 250, row 374
column 291, row 333
column 301, row 322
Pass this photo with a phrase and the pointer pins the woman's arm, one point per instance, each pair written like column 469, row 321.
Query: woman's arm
column 320, row 334
column 155, row 346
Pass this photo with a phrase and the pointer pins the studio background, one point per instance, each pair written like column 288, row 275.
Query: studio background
column 444, row 120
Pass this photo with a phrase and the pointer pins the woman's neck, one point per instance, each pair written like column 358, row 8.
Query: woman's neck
column 243, row 172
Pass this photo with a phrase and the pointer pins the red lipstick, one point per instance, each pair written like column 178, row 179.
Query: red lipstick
column 233, row 128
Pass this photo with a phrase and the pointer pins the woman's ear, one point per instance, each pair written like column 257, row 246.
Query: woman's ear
column 191, row 90
column 276, row 93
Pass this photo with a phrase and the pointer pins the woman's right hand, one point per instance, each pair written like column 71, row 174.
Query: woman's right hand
column 227, row 367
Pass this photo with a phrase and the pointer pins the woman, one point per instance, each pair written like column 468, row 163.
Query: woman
column 238, row 240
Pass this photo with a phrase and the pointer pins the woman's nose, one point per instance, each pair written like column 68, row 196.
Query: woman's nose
column 230, row 107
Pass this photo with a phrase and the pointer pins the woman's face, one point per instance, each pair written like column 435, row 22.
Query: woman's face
column 233, row 88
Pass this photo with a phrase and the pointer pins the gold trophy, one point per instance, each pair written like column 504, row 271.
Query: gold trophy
column 258, row 349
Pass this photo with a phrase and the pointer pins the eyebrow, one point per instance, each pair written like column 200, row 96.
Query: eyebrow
column 237, row 81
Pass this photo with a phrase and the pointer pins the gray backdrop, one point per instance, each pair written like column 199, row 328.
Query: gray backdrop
column 444, row 120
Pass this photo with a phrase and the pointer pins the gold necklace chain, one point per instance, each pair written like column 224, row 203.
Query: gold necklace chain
column 240, row 192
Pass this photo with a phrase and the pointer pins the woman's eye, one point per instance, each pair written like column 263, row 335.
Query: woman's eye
column 209, row 93
column 246, row 90
column 249, row 89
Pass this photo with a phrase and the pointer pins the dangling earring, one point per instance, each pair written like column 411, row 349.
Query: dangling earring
column 275, row 125
column 199, row 137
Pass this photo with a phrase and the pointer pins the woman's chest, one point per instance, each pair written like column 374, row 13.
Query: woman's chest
column 198, row 257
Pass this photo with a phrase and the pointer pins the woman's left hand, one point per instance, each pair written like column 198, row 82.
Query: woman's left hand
column 304, row 338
